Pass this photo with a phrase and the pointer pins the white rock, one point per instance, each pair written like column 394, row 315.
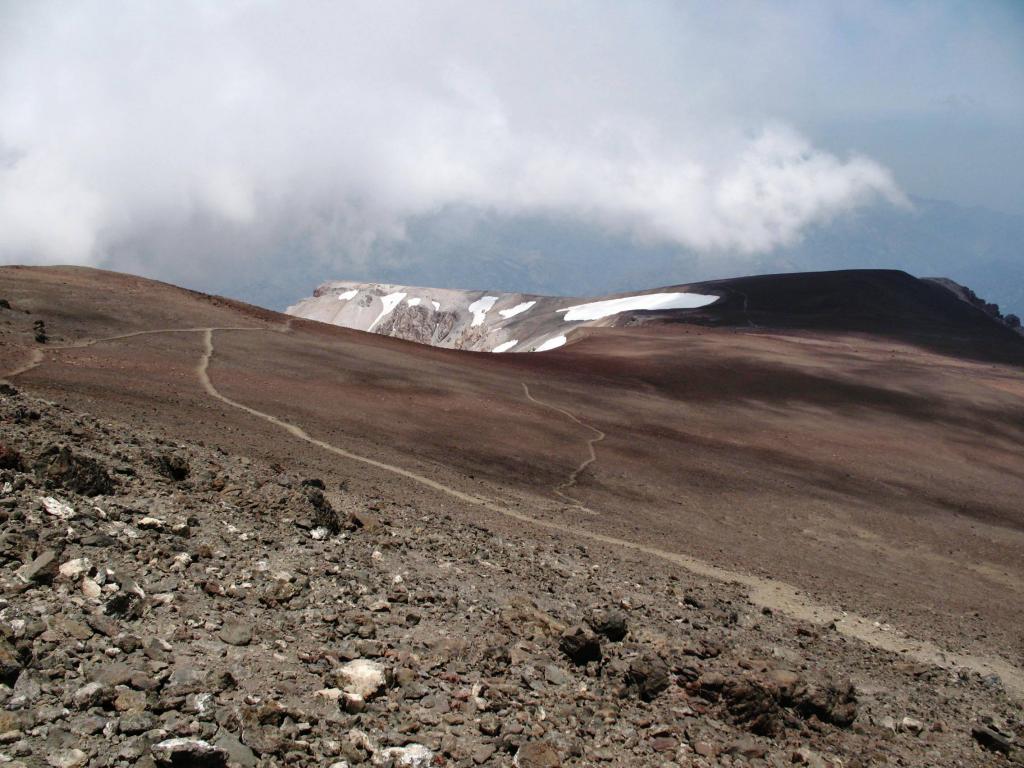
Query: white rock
column 58, row 508
column 91, row 589
column 353, row 703
column 182, row 560
column 319, row 533
column 361, row 739
column 911, row 725
column 362, row 677
column 88, row 695
column 412, row 755
column 203, row 703
column 151, row 523
column 73, row 570
column 67, row 758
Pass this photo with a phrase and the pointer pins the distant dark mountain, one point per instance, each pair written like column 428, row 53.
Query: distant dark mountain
column 976, row 247
column 979, row 248
column 934, row 313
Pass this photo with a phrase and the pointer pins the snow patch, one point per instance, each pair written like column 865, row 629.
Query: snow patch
column 518, row 309
column 505, row 346
column 480, row 308
column 390, row 301
column 595, row 310
column 347, row 295
column 553, row 343
column 437, row 305
column 413, row 302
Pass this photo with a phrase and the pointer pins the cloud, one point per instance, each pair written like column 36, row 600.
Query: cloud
column 327, row 127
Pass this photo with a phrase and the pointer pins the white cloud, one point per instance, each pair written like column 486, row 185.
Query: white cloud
column 341, row 121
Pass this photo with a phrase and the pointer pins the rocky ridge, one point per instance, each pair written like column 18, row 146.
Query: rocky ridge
column 169, row 604
column 480, row 321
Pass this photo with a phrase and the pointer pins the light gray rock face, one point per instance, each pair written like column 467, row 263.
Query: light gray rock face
column 481, row 321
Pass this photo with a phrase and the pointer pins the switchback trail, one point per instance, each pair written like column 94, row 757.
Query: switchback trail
column 763, row 592
column 559, row 490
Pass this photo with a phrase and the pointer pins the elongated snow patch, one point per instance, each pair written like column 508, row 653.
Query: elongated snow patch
column 437, row 305
column 595, row 310
column 518, row 309
column 505, row 346
column 390, row 301
column 480, row 307
column 413, row 302
column 553, row 343
column 347, row 295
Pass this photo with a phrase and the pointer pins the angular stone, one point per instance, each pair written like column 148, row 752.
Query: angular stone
column 237, row 751
column 189, row 753
column 362, row 677
column 10, row 664
column 42, row 570
column 75, row 569
column 92, row 695
column 409, row 756
column 67, row 758
column 992, row 739
column 580, row 645
column 537, row 754
column 649, row 673
column 81, row 474
column 610, row 623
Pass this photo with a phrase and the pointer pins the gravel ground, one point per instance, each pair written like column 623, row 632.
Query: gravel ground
column 170, row 604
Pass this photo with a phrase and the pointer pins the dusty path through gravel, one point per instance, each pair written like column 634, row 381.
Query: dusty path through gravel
column 560, row 489
column 766, row 593
column 777, row 595
column 38, row 356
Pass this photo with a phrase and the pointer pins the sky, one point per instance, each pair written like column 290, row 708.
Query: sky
column 194, row 139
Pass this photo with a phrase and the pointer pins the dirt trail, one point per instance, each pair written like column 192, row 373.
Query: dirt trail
column 777, row 595
column 559, row 490
column 38, row 355
column 769, row 593
column 202, row 371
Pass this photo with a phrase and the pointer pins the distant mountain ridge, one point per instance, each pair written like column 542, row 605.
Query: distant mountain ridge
column 979, row 248
column 481, row 321
column 933, row 313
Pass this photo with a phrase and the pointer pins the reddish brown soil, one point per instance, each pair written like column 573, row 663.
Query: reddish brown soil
column 872, row 473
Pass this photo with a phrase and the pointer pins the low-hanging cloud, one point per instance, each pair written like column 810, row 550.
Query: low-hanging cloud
column 337, row 123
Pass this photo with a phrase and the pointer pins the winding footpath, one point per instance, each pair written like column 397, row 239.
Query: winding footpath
column 763, row 592
column 37, row 356
column 559, row 490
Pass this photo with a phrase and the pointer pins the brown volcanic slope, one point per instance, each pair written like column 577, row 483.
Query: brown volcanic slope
column 823, row 469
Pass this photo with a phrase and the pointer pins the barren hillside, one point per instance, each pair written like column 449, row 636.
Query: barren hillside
column 777, row 488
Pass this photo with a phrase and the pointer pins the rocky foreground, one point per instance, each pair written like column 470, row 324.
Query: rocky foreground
column 171, row 605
